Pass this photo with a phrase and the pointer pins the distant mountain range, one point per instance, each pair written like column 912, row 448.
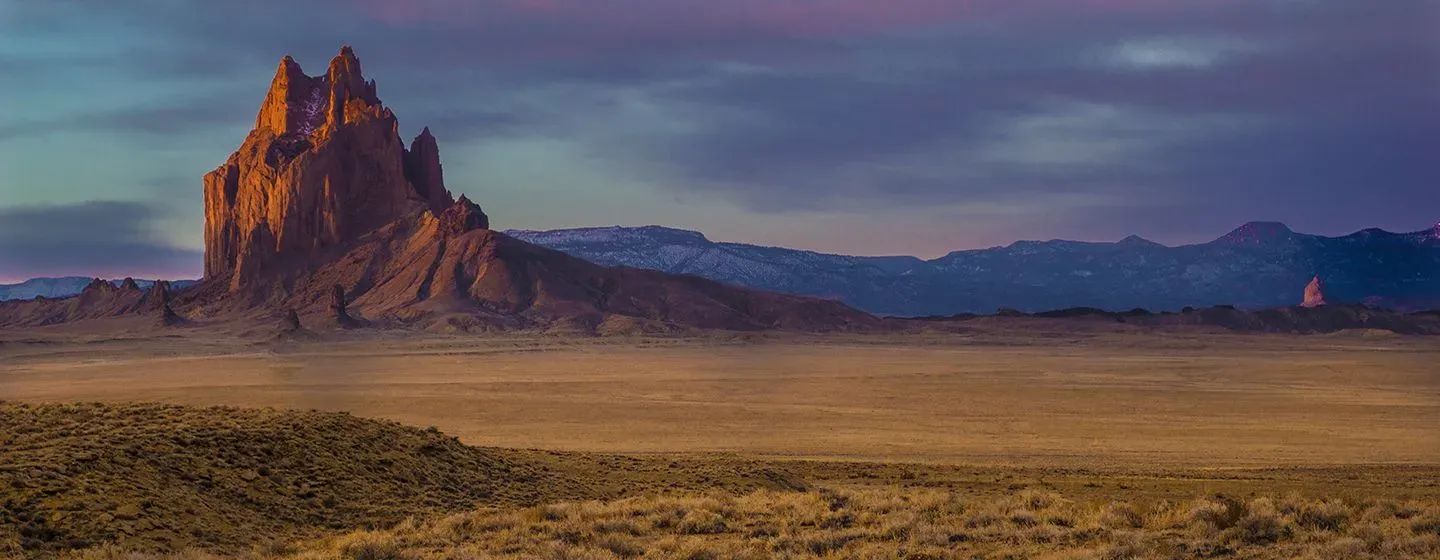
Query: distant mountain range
column 65, row 286
column 1258, row 265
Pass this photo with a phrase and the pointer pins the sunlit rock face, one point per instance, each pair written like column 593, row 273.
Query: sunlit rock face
column 1314, row 294
column 324, row 165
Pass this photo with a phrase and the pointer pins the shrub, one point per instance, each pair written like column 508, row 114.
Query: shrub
column 1328, row 515
column 1426, row 525
column 1036, row 500
column 702, row 522
column 1120, row 516
column 1261, row 524
column 621, row 546
column 618, row 526
column 982, row 519
column 1024, row 518
column 1372, row 534
column 1347, row 548
column 1259, row 528
column 1218, row 513
column 371, row 546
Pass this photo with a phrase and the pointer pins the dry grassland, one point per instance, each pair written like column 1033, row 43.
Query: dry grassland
column 998, row 443
column 886, row 524
column 1101, row 400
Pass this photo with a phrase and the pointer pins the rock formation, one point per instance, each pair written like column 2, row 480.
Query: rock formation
column 338, row 310
column 324, row 165
column 168, row 317
column 158, row 297
column 422, row 167
column 324, row 207
column 462, row 216
column 1314, row 294
column 291, row 321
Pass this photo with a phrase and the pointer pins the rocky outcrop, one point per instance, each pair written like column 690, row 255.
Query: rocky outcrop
column 168, row 317
column 462, row 216
column 338, row 308
column 290, row 322
column 100, row 299
column 324, row 165
column 158, row 297
column 422, row 168
column 1314, row 294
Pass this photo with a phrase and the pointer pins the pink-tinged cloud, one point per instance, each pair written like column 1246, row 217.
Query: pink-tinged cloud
column 812, row 18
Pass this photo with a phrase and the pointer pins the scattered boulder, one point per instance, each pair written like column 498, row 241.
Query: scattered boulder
column 1314, row 294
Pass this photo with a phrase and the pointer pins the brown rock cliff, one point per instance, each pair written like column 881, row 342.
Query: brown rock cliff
column 324, row 165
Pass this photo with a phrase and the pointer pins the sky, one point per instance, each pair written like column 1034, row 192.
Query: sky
column 851, row 126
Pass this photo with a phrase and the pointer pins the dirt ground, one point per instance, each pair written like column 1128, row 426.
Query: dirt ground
column 996, row 396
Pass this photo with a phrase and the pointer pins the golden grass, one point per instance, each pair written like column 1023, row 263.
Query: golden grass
column 160, row 477
column 991, row 446
column 890, row 523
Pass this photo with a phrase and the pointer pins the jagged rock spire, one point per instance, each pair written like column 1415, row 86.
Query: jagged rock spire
column 422, row 168
column 324, row 166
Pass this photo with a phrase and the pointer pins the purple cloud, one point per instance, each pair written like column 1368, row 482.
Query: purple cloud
column 1174, row 119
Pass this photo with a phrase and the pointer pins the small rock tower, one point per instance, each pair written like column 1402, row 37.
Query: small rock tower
column 1314, row 294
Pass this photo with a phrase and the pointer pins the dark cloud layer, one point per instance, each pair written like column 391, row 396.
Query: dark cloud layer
column 91, row 238
column 1176, row 118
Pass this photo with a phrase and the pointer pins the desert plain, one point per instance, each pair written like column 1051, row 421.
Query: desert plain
column 993, row 396
column 1092, row 415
